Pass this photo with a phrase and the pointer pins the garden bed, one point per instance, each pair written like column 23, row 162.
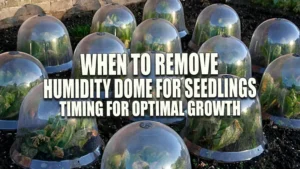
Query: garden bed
column 283, row 150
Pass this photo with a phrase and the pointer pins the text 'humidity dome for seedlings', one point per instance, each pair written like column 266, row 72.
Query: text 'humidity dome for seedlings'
column 146, row 145
column 19, row 72
column 228, row 138
column 271, row 39
column 47, row 140
column 234, row 57
column 175, row 122
column 47, row 39
column 170, row 10
column 115, row 19
column 279, row 91
column 156, row 35
column 215, row 19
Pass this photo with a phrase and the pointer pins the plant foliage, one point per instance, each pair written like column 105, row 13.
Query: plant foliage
column 226, row 133
column 59, row 139
column 115, row 26
column 293, row 5
column 12, row 94
column 205, row 31
column 278, row 99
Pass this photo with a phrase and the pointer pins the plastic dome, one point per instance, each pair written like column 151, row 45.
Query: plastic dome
column 279, row 91
column 176, row 122
column 47, row 39
column 96, row 43
column 47, row 140
column 229, row 138
column 19, row 72
column 115, row 19
column 170, row 10
column 156, row 35
column 271, row 39
column 146, row 144
column 234, row 57
column 215, row 19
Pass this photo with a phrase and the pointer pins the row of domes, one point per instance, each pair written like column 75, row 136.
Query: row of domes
column 44, row 137
column 47, row 39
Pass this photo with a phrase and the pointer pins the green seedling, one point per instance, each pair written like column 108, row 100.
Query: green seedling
column 279, row 99
column 270, row 52
column 205, row 31
column 59, row 139
column 283, row 4
column 49, row 53
column 226, row 133
column 12, row 94
column 80, row 31
column 115, row 26
column 150, row 43
column 240, row 69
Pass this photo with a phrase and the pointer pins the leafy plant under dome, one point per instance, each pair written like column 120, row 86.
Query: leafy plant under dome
column 216, row 19
column 170, row 10
column 273, row 38
column 233, row 55
column 146, row 145
column 117, row 20
column 227, row 138
column 279, row 89
column 46, row 38
column 19, row 72
column 45, row 138
column 59, row 139
column 146, row 37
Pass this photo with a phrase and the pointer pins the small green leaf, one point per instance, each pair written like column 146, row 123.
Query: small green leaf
column 230, row 135
column 30, row 152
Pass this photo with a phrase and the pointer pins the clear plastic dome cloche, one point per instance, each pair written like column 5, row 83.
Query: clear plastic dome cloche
column 45, row 139
column 47, row 39
column 115, row 19
column 279, row 91
column 19, row 72
column 170, row 10
column 146, row 144
column 214, row 20
column 174, row 122
column 234, row 57
column 229, row 138
column 271, row 39
column 156, row 34
column 96, row 43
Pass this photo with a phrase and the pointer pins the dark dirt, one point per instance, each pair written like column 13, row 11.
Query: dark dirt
column 283, row 149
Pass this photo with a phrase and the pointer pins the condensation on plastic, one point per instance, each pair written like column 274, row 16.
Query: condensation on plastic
column 279, row 91
column 271, row 39
column 216, row 19
column 47, row 39
column 146, row 144
column 46, row 139
column 233, row 55
column 19, row 72
column 170, row 10
column 115, row 19
column 230, row 138
column 156, row 35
